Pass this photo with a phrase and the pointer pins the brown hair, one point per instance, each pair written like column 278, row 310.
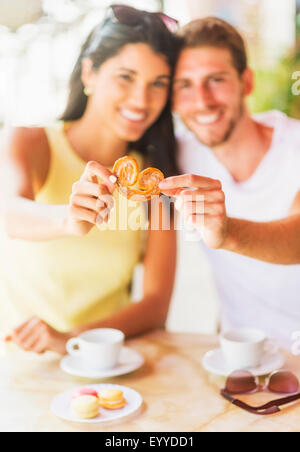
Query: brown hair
column 106, row 40
column 215, row 32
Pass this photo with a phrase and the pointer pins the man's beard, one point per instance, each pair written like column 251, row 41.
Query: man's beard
column 229, row 131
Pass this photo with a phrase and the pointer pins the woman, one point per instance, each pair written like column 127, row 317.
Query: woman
column 61, row 275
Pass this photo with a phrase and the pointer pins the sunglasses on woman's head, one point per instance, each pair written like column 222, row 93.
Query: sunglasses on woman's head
column 127, row 15
column 280, row 382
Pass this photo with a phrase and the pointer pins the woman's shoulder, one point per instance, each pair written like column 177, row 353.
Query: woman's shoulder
column 27, row 148
column 22, row 141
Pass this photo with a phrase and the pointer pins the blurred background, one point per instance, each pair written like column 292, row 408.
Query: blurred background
column 40, row 39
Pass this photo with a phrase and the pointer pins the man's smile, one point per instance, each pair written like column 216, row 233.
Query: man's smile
column 208, row 119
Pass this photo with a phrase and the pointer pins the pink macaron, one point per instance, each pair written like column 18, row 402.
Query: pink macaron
column 84, row 392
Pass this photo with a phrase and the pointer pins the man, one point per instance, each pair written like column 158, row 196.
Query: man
column 247, row 170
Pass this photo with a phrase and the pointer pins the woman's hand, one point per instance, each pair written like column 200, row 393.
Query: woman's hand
column 90, row 202
column 38, row 337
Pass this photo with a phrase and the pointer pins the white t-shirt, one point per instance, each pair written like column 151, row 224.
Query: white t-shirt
column 253, row 293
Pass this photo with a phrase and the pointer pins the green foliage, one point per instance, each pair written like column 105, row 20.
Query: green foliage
column 274, row 89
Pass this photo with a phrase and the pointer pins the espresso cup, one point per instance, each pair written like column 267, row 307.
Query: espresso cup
column 97, row 349
column 244, row 348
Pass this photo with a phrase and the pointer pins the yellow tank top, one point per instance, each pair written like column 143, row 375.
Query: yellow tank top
column 70, row 281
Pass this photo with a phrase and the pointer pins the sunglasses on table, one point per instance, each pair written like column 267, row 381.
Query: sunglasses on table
column 127, row 15
column 279, row 382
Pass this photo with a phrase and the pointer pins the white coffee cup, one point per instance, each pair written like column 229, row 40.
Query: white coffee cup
column 244, row 348
column 97, row 349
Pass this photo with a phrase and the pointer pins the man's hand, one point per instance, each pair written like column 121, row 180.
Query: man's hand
column 36, row 336
column 203, row 206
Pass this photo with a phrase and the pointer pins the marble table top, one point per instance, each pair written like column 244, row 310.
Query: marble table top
column 179, row 395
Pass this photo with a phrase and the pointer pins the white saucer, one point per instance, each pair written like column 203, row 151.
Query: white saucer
column 130, row 360
column 214, row 362
column 61, row 405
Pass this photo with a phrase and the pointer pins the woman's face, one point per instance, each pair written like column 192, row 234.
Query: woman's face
column 129, row 91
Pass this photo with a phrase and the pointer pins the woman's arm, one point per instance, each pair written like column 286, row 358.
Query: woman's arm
column 23, row 217
column 137, row 318
column 24, row 159
column 151, row 312
column 159, row 276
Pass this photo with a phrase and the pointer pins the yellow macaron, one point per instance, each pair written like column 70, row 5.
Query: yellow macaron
column 112, row 399
column 85, row 407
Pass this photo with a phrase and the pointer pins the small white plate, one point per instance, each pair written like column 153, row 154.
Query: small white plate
column 214, row 362
column 61, row 405
column 130, row 360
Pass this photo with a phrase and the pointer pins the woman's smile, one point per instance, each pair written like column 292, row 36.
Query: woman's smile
column 132, row 116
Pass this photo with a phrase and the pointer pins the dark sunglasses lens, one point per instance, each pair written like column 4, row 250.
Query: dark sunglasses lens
column 283, row 383
column 240, row 382
column 126, row 15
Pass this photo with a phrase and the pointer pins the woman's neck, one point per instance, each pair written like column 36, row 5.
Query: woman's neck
column 92, row 142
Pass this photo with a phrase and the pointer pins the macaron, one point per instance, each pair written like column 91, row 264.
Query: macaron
column 85, row 407
column 84, row 391
column 112, row 399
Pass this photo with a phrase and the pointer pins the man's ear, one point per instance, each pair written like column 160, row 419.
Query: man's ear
column 248, row 79
column 87, row 73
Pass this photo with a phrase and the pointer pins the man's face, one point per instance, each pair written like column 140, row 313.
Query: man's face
column 209, row 93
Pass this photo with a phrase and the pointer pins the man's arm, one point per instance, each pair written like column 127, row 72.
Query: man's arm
column 275, row 242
